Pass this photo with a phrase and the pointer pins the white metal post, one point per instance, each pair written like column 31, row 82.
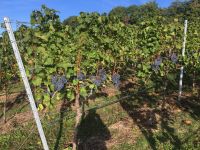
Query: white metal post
column 183, row 54
column 26, row 82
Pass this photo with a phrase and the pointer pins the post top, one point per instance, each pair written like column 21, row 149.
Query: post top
column 6, row 19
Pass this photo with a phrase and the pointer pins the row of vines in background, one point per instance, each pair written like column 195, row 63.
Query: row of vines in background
column 72, row 62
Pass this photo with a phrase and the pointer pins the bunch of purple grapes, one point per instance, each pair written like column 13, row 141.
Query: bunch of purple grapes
column 54, row 79
column 81, row 76
column 155, row 66
column 116, row 79
column 98, row 80
column 158, row 61
column 102, row 75
column 58, row 83
column 174, row 58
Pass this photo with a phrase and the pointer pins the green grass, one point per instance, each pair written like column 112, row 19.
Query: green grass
column 14, row 88
column 172, row 133
column 14, row 107
column 26, row 137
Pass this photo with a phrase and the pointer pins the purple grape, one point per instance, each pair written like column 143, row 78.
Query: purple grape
column 156, row 64
column 117, row 84
column 58, row 82
column 59, row 85
column 154, row 67
column 174, row 58
column 92, row 78
column 54, row 79
column 158, row 61
column 102, row 74
column 116, row 79
column 81, row 76
column 96, row 80
column 102, row 71
column 63, row 79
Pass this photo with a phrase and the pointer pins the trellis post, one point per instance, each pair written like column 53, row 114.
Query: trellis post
column 182, row 67
column 26, row 82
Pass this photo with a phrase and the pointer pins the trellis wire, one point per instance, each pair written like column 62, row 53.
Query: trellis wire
column 24, row 141
column 116, row 100
column 26, row 82
column 182, row 67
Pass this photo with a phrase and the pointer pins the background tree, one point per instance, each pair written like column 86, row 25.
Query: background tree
column 71, row 21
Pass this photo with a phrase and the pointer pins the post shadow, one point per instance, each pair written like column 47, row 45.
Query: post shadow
column 92, row 132
column 63, row 108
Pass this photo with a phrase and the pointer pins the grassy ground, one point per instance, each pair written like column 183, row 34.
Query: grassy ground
column 14, row 88
column 137, row 123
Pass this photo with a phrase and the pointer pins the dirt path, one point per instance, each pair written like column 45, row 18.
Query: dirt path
column 22, row 118
column 10, row 97
column 19, row 119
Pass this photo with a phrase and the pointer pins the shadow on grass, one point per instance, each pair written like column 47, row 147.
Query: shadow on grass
column 143, row 118
column 191, row 105
column 144, row 111
column 63, row 112
column 18, row 103
column 92, row 132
